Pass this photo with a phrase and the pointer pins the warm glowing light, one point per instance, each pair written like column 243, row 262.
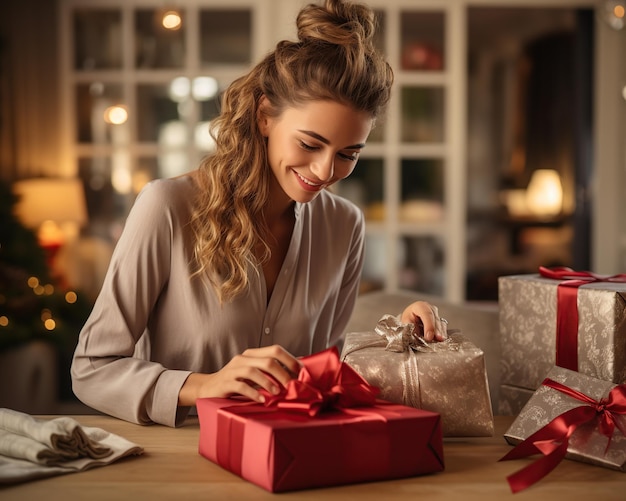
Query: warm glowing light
column 614, row 13
column 71, row 297
column 179, row 89
column 204, row 88
column 172, row 20
column 545, row 193
column 39, row 290
column 4, row 321
column 48, row 289
column 121, row 179
column 115, row 115
column 204, row 140
column 33, row 282
column 50, row 324
column 50, row 234
column 173, row 134
column 140, row 179
column 45, row 314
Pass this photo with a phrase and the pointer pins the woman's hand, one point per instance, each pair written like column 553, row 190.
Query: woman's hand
column 269, row 368
column 435, row 327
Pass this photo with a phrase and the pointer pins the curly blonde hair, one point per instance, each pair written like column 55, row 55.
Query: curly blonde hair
column 333, row 59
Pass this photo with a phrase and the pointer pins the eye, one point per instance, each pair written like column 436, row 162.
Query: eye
column 307, row 147
column 352, row 157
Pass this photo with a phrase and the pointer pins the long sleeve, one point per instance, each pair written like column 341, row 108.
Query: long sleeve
column 105, row 372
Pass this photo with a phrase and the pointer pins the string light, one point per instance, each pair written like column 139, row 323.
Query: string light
column 614, row 13
column 115, row 115
column 172, row 20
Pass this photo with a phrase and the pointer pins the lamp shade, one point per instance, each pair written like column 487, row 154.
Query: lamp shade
column 545, row 193
column 61, row 200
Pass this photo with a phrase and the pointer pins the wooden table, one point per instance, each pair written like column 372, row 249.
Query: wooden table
column 171, row 468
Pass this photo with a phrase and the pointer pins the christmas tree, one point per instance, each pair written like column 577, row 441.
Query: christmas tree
column 33, row 305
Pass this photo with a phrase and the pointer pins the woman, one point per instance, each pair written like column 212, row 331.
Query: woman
column 223, row 276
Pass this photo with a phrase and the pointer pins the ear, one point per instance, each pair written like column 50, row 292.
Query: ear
column 262, row 116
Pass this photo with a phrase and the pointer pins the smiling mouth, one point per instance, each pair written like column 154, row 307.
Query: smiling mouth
column 308, row 182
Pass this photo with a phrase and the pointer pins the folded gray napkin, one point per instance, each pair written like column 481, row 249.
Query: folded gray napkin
column 33, row 448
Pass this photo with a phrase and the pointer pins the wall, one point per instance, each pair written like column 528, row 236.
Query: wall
column 29, row 132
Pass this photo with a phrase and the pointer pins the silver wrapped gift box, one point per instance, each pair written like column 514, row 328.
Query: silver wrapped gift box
column 447, row 377
column 528, row 331
column 587, row 442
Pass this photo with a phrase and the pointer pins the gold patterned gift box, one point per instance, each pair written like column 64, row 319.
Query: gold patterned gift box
column 447, row 377
column 532, row 344
column 570, row 415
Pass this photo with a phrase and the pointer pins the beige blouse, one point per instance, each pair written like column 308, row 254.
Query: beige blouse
column 152, row 324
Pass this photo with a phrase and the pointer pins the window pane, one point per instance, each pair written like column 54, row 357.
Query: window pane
column 146, row 169
column 378, row 132
column 94, row 101
column 422, row 114
column 365, row 188
column 97, row 39
column 421, row 190
column 160, row 116
column 375, row 265
column 422, row 38
column 157, row 46
column 210, row 107
column 421, row 263
column 104, row 205
column 225, row 36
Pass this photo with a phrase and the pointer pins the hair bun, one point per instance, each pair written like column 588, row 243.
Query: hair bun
column 337, row 22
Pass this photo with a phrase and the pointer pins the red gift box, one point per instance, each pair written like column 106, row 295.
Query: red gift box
column 325, row 429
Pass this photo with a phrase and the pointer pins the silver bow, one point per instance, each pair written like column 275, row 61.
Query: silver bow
column 402, row 337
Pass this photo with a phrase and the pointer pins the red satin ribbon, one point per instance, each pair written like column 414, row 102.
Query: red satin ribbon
column 567, row 309
column 552, row 440
column 324, row 382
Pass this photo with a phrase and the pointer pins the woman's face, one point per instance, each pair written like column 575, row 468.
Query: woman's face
column 313, row 146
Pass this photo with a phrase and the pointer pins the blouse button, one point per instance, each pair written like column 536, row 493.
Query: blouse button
column 267, row 331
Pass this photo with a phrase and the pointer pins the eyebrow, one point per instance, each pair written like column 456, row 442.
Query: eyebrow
column 315, row 135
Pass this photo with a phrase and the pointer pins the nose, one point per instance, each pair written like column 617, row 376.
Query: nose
column 324, row 168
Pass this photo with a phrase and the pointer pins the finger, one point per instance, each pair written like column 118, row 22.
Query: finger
column 245, row 389
column 245, row 371
column 440, row 327
column 424, row 312
column 290, row 364
column 272, row 367
column 430, row 319
column 441, row 332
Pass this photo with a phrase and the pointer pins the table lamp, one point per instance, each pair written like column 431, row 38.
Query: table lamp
column 54, row 208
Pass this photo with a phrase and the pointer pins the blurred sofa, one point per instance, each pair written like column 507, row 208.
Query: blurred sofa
column 477, row 321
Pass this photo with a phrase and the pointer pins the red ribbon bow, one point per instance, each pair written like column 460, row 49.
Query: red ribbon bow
column 567, row 310
column 324, row 382
column 552, row 440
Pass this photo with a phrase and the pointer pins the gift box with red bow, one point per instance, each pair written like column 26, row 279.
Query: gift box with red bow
column 326, row 428
column 573, row 416
column 448, row 377
column 575, row 320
